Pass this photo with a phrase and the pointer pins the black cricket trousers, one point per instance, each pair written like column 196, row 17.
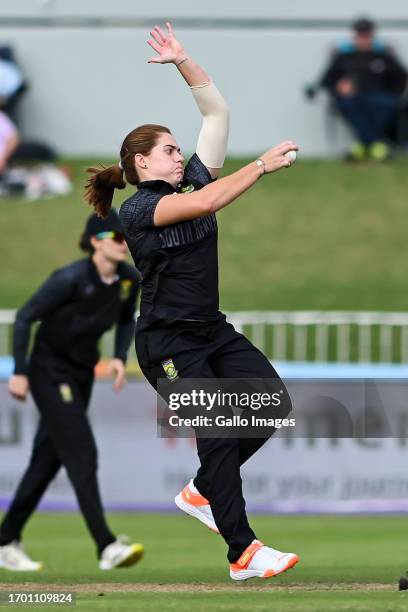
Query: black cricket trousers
column 64, row 438
column 214, row 350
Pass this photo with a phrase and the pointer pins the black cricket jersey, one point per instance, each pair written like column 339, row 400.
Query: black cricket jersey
column 75, row 308
column 178, row 262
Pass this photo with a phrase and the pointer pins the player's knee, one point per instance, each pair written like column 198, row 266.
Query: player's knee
column 81, row 465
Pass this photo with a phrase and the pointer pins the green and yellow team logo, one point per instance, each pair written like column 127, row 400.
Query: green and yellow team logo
column 66, row 393
column 170, row 369
column 125, row 287
column 187, row 188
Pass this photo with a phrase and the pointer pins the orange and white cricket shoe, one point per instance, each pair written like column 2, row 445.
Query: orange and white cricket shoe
column 193, row 503
column 260, row 561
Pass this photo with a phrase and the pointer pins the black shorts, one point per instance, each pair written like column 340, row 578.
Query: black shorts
column 201, row 350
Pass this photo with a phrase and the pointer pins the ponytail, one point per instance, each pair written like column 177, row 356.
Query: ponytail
column 100, row 187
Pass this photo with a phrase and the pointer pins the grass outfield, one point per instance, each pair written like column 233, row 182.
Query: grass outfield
column 324, row 235
column 347, row 563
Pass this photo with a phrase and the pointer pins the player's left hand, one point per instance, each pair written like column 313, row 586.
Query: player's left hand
column 117, row 368
column 166, row 45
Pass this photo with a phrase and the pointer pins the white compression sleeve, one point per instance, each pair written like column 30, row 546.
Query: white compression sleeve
column 212, row 141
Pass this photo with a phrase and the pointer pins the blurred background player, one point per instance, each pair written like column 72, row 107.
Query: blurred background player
column 76, row 305
column 366, row 81
column 171, row 229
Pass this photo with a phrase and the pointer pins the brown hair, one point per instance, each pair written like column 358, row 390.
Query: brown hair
column 100, row 186
column 85, row 244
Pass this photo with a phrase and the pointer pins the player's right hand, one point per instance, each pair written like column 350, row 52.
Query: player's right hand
column 18, row 387
column 169, row 50
column 275, row 159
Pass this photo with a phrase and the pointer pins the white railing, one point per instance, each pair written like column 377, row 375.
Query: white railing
column 6, row 323
column 342, row 336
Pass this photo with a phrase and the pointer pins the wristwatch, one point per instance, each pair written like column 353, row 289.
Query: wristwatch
column 261, row 164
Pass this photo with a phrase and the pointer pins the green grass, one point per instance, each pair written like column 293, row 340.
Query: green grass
column 341, row 559
column 227, row 602
column 323, row 235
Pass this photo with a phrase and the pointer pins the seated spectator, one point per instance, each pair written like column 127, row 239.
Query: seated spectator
column 28, row 168
column 12, row 83
column 366, row 81
column 9, row 140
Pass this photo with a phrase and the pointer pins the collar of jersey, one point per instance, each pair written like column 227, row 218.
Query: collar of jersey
column 157, row 185
column 97, row 279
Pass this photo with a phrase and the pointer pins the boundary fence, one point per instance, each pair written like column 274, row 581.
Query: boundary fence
column 320, row 336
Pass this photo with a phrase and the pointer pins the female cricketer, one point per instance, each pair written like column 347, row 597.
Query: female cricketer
column 171, row 229
column 76, row 305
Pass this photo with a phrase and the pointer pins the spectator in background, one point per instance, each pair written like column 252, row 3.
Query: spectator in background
column 28, row 167
column 366, row 81
column 12, row 83
column 9, row 140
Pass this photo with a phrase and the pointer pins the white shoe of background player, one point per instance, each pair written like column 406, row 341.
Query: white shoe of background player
column 120, row 554
column 13, row 557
